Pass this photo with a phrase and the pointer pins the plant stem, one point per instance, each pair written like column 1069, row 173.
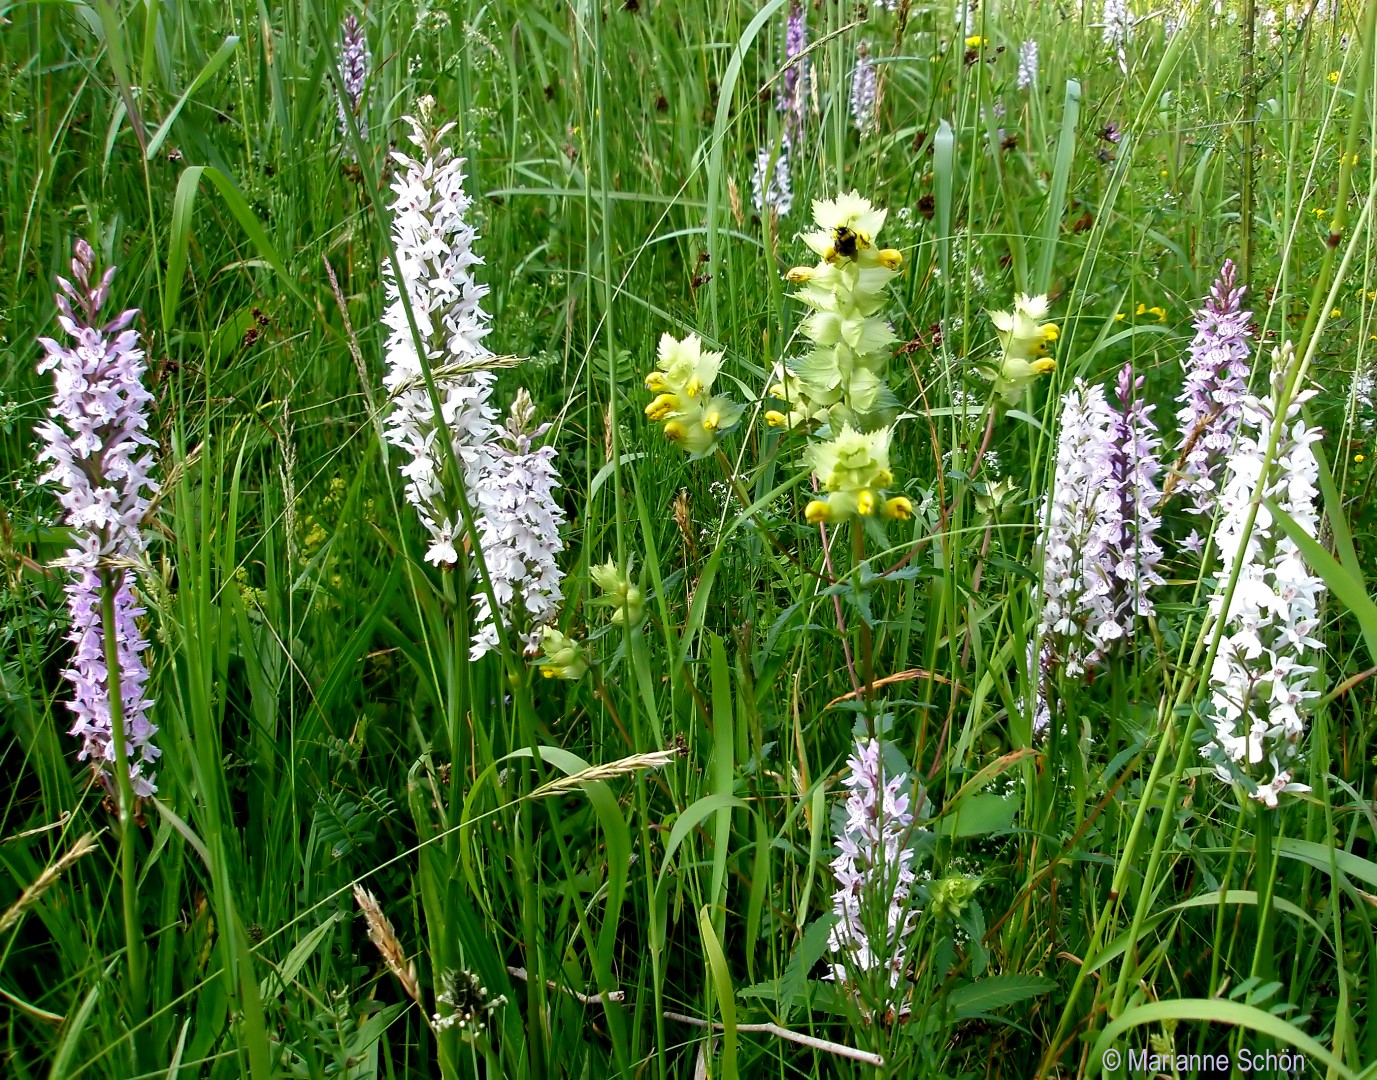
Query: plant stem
column 867, row 639
column 1245, row 208
column 124, row 793
column 1264, row 967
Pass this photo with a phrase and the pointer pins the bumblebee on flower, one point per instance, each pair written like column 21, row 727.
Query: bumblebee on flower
column 684, row 406
column 847, row 226
column 854, row 470
column 842, row 380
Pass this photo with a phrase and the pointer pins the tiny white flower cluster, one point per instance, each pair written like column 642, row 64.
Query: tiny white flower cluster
column 519, row 530
column 874, row 871
column 469, row 1008
column 864, row 85
column 967, row 16
column 1117, row 26
column 1028, row 65
column 1077, row 610
column 1259, row 684
column 1216, row 379
column 771, row 189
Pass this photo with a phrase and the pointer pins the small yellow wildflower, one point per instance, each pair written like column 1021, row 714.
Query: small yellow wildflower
column 1359, row 458
column 682, row 381
column 618, row 592
column 560, row 657
column 1161, row 313
column 854, row 469
column 1333, row 76
column 1337, row 313
column 975, row 41
column 1021, row 333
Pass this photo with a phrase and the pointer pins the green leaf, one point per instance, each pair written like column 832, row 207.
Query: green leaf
column 273, row 985
column 722, row 983
column 717, row 167
column 1119, row 945
column 979, row 815
column 1327, row 857
column 1213, row 1011
column 692, row 815
column 1061, row 174
column 183, row 207
column 214, row 64
column 75, row 1026
column 811, row 946
column 1342, row 584
column 978, row 998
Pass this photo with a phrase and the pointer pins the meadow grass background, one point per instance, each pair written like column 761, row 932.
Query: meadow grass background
column 321, row 725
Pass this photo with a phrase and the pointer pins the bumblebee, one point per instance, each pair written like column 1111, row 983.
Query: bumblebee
column 845, row 243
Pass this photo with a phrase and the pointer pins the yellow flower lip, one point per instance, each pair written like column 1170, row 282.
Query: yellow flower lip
column 799, row 274
column 1044, row 366
column 817, row 512
column 675, row 431
column 865, row 502
column 775, row 418
column 900, row 508
column 662, row 407
column 891, row 258
column 655, row 382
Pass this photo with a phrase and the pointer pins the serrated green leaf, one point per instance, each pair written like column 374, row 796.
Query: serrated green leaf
column 978, row 998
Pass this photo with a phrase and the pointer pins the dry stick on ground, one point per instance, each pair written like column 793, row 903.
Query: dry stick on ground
column 825, row 1045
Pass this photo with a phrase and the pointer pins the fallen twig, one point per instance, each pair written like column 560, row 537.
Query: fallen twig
column 825, row 1045
column 586, row 999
